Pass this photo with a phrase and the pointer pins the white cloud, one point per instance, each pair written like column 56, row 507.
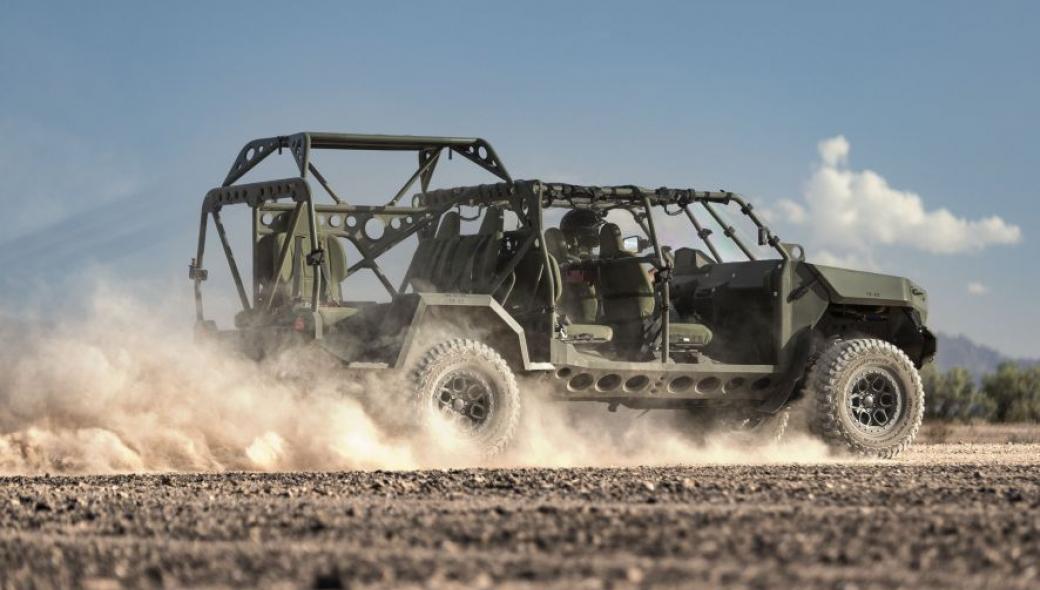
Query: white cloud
column 834, row 151
column 791, row 211
column 977, row 288
column 857, row 210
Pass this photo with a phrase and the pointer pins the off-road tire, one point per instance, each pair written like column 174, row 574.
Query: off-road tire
column 830, row 384
column 464, row 356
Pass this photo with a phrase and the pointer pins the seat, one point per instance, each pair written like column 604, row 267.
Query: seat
column 483, row 259
column 626, row 291
column 591, row 333
column 447, row 241
column 492, row 222
column 335, row 268
column 429, row 254
column 532, row 287
column 629, row 301
column 688, row 335
column 296, row 277
column 453, row 263
column 578, row 301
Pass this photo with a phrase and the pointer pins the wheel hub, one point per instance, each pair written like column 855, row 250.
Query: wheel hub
column 874, row 400
column 466, row 397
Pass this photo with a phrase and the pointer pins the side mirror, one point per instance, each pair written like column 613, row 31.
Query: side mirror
column 635, row 244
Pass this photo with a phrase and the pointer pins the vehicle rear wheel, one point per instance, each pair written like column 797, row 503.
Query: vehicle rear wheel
column 866, row 396
column 472, row 386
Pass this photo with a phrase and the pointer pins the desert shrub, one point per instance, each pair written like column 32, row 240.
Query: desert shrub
column 952, row 395
column 1014, row 392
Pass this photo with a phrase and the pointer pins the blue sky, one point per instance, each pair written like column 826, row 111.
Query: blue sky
column 118, row 117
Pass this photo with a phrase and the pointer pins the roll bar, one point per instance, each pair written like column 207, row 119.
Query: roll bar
column 300, row 145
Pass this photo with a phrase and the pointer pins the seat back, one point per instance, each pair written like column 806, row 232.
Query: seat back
column 429, row 254
column 626, row 290
column 296, row 278
column 535, row 283
column 444, row 249
column 485, row 257
column 454, row 263
column 578, row 301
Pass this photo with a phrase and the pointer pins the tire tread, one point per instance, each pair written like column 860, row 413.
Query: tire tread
column 826, row 398
column 464, row 347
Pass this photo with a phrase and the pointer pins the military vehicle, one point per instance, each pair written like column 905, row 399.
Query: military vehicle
column 535, row 280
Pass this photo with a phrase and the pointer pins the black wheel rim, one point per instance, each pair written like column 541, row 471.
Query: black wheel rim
column 466, row 397
column 875, row 401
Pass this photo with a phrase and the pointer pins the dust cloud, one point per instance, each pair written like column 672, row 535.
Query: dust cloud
column 121, row 387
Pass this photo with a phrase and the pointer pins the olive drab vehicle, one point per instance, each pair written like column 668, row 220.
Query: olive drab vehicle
column 529, row 279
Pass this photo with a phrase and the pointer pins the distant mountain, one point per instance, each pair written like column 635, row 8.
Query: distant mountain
column 979, row 359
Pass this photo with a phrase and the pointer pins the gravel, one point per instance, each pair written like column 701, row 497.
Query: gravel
column 943, row 516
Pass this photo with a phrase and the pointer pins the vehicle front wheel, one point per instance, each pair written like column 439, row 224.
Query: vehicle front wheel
column 866, row 396
column 472, row 386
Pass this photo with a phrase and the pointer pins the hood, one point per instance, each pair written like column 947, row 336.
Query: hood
column 858, row 287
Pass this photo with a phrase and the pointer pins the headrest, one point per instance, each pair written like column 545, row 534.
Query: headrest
column 556, row 243
column 492, row 223
column 610, row 241
column 450, row 225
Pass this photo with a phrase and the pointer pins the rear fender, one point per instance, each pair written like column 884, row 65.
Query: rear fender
column 440, row 317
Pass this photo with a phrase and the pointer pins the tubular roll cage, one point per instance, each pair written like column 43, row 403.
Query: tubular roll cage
column 639, row 202
column 299, row 145
column 527, row 198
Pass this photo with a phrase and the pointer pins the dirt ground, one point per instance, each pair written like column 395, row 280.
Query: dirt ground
column 942, row 432
column 942, row 516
